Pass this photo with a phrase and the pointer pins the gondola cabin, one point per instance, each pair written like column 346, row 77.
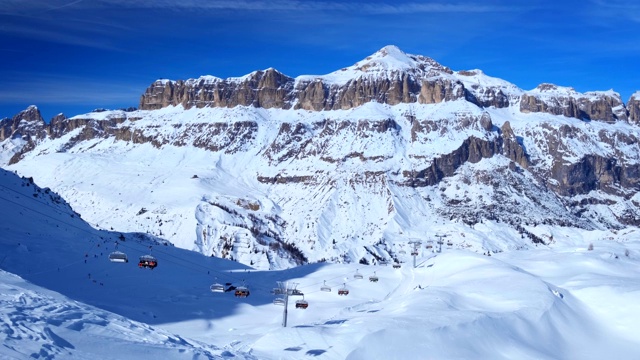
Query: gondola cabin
column 118, row 256
column 217, row 288
column 302, row 304
column 147, row 261
column 242, row 291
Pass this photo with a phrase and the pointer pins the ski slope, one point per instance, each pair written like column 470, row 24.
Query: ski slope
column 62, row 298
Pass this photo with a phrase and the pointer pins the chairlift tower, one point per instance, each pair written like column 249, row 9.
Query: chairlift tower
column 287, row 289
column 414, row 252
column 440, row 241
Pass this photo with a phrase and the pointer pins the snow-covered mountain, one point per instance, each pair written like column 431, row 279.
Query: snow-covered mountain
column 274, row 171
column 61, row 298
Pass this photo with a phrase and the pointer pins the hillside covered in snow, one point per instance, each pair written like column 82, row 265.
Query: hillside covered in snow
column 274, row 171
column 62, row 298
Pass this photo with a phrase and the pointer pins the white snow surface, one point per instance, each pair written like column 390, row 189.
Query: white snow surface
column 61, row 298
column 175, row 190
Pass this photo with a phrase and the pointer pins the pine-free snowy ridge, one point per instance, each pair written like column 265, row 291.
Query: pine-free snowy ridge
column 265, row 170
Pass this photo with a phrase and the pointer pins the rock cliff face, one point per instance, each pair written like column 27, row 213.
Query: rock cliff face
column 423, row 81
column 413, row 129
column 634, row 108
column 271, row 89
column 552, row 99
column 26, row 124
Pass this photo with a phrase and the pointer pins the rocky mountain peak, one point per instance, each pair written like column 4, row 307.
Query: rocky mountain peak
column 389, row 57
column 390, row 61
column 553, row 88
column 31, row 113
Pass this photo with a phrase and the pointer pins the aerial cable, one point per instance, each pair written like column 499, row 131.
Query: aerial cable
column 91, row 232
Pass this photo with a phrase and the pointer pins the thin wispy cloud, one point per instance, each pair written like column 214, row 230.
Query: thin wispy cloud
column 61, row 89
column 615, row 10
column 67, row 36
column 389, row 7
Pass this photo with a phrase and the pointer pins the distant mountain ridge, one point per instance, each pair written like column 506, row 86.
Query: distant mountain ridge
column 333, row 167
column 388, row 76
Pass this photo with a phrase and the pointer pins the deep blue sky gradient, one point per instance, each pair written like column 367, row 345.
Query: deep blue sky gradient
column 73, row 56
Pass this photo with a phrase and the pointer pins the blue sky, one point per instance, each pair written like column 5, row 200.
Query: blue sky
column 73, row 56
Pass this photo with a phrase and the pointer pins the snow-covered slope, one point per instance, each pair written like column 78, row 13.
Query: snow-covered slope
column 564, row 302
column 41, row 324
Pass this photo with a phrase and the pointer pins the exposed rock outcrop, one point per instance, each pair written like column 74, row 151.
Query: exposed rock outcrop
column 26, row 124
column 472, row 150
column 634, row 108
column 512, row 146
column 556, row 100
column 595, row 172
column 266, row 89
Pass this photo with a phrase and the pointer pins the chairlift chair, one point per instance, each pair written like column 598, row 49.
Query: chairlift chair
column 449, row 243
column 242, row 291
column 118, row 256
column 148, row 261
column 296, row 292
column 278, row 301
column 357, row 275
column 325, row 287
column 414, row 253
column 396, row 266
column 217, row 288
column 343, row 290
column 429, row 246
column 374, row 277
column 402, row 252
column 302, row 304
column 277, row 291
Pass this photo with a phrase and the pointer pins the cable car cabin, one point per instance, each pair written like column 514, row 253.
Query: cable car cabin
column 396, row 266
column 302, row 304
column 148, row 261
column 325, row 287
column 217, row 288
column 242, row 291
column 118, row 256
